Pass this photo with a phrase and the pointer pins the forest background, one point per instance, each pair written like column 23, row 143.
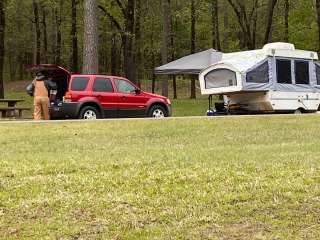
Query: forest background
column 135, row 36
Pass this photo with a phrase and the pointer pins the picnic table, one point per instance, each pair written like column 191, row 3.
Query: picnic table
column 12, row 110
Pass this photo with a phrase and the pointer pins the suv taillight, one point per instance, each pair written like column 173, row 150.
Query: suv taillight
column 67, row 97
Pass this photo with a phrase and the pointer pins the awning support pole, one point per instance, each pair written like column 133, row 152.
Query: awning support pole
column 210, row 102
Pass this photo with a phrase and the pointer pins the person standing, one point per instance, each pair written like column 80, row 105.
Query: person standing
column 43, row 89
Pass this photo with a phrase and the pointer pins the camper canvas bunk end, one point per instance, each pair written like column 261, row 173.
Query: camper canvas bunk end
column 277, row 78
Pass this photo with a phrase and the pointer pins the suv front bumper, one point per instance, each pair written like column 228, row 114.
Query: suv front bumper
column 169, row 110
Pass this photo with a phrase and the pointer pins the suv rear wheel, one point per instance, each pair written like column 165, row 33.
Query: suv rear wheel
column 89, row 113
column 157, row 111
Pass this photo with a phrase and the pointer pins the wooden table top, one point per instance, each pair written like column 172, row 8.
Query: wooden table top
column 11, row 100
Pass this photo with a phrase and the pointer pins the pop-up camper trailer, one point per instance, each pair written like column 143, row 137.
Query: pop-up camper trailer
column 277, row 78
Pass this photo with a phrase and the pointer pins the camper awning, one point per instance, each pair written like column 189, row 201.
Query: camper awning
column 192, row 64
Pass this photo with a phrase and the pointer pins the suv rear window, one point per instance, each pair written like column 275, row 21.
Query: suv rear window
column 79, row 83
column 102, row 85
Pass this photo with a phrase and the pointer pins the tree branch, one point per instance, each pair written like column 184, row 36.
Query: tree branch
column 122, row 7
column 238, row 14
column 112, row 19
column 27, row 17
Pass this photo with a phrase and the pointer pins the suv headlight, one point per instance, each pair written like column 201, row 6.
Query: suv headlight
column 168, row 101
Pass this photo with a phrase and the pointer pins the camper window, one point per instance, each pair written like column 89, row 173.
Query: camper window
column 302, row 72
column 220, row 78
column 259, row 74
column 284, row 71
column 318, row 74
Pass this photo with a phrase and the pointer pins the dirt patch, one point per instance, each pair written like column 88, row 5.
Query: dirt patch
column 239, row 231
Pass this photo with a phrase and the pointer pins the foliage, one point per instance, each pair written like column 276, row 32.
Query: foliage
column 20, row 37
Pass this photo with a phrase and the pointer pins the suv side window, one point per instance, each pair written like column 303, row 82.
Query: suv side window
column 79, row 83
column 124, row 86
column 102, row 85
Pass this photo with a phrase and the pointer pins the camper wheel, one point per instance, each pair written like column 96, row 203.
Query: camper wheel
column 298, row 111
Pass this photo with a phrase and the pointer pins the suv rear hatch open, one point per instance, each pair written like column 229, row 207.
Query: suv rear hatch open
column 59, row 75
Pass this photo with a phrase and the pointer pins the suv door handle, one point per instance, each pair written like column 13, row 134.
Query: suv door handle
column 123, row 96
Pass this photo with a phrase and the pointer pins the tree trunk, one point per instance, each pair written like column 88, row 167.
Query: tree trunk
column 90, row 43
column 166, row 46
column 129, row 66
column 215, row 26
column 318, row 20
column 114, row 55
column 20, row 50
column 255, row 23
column 37, row 32
column 286, row 20
column 271, row 6
column 2, row 34
column 174, row 79
column 58, row 33
column 12, row 65
column 153, row 59
column 74, row 37
column 153, row 84
column 45, row 35
column 193, row 45
column 226, row 28
column 138, row 57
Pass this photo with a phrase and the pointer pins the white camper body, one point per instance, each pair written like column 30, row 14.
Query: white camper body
column 275, row 78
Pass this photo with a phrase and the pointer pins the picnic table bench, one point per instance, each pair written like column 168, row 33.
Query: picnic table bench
column 12, row 110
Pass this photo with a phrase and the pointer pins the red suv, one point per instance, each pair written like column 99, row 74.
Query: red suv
column 102, row 96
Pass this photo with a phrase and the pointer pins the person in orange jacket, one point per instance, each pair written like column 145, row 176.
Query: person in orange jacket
column 42, row 91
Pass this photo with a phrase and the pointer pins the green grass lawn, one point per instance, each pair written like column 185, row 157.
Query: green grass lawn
column 216, row 178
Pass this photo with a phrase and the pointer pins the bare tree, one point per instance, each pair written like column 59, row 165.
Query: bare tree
column 37, row 49
column 318, row 15
column 271, row 6
column 2, row 34
column 58, row 19
column 215, row 26
column 166, row 43
column 90, row 44
column 74, row 37
column 193, row 45
column 174, row 79
column 129, row 67
column 45, row 35
column 114, row 26
column 247, row 21
column 226, row 25
column 286, row 20
column 137, row 46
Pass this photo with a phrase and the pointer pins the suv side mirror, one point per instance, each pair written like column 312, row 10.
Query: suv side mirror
column 137, row 91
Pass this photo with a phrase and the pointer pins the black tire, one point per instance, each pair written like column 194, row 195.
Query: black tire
column 157, row 111
column 88, row 111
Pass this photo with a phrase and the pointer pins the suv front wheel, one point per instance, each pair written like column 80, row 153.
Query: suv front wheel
column 89, row 113
column 157, row 111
